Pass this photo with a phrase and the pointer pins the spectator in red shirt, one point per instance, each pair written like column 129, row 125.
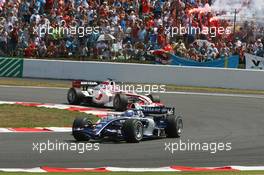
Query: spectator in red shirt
column 30, row 51
column 49, row 5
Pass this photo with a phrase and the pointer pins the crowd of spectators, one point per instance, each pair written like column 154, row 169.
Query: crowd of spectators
column 243, row 42
column 131, row 27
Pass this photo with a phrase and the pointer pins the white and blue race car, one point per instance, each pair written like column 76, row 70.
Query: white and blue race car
column 107, row 94
column 131, row 126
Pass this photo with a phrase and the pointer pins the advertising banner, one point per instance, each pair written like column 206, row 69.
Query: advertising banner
column 254, row 62
column 11, row 67
column 224, row 62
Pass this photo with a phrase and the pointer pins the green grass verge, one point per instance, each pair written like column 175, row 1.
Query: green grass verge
column 67, row 84
column 148, row 173
column 23, row 116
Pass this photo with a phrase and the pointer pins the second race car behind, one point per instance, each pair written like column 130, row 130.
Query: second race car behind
column 108, row 95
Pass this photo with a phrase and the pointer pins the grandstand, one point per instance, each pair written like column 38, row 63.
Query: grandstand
column 122, row 30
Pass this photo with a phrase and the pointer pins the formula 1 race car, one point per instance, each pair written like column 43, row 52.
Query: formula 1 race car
column 131, row 126
column 108, row 94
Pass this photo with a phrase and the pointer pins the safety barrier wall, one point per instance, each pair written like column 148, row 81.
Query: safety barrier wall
column 161, row 74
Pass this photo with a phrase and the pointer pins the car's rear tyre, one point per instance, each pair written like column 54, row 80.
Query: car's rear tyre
column 78, row 126
column 154, row 98
column 74, row 97
column 132, row 131
column 174, row 127
column 120, row 102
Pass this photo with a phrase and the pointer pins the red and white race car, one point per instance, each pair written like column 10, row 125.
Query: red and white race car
column 108, row 94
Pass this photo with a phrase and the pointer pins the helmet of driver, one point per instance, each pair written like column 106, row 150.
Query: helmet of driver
column 129, row 113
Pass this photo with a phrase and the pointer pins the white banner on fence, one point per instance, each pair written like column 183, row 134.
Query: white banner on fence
column 254, row 62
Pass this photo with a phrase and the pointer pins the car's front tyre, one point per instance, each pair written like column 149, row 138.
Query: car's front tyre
column 78, row 126
column 132, row 131
column 174, row 127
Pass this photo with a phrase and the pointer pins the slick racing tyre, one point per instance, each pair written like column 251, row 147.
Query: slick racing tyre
column 154, row 98
column 174, row 127
column 74, row 97
column 120, row 102
column 132, row 131
column 78, row 126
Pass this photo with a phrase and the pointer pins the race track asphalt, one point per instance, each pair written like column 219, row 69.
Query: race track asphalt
column 207, row 119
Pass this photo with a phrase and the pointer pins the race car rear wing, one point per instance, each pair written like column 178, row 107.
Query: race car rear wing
column 158, row 110
column 84, row 84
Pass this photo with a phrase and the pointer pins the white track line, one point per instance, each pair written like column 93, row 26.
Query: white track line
column 33, row 87
column 120, row 169
column 162, row 169
column 26, row 170
column 248, row 168
column 168, row 92
column 216, row 94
